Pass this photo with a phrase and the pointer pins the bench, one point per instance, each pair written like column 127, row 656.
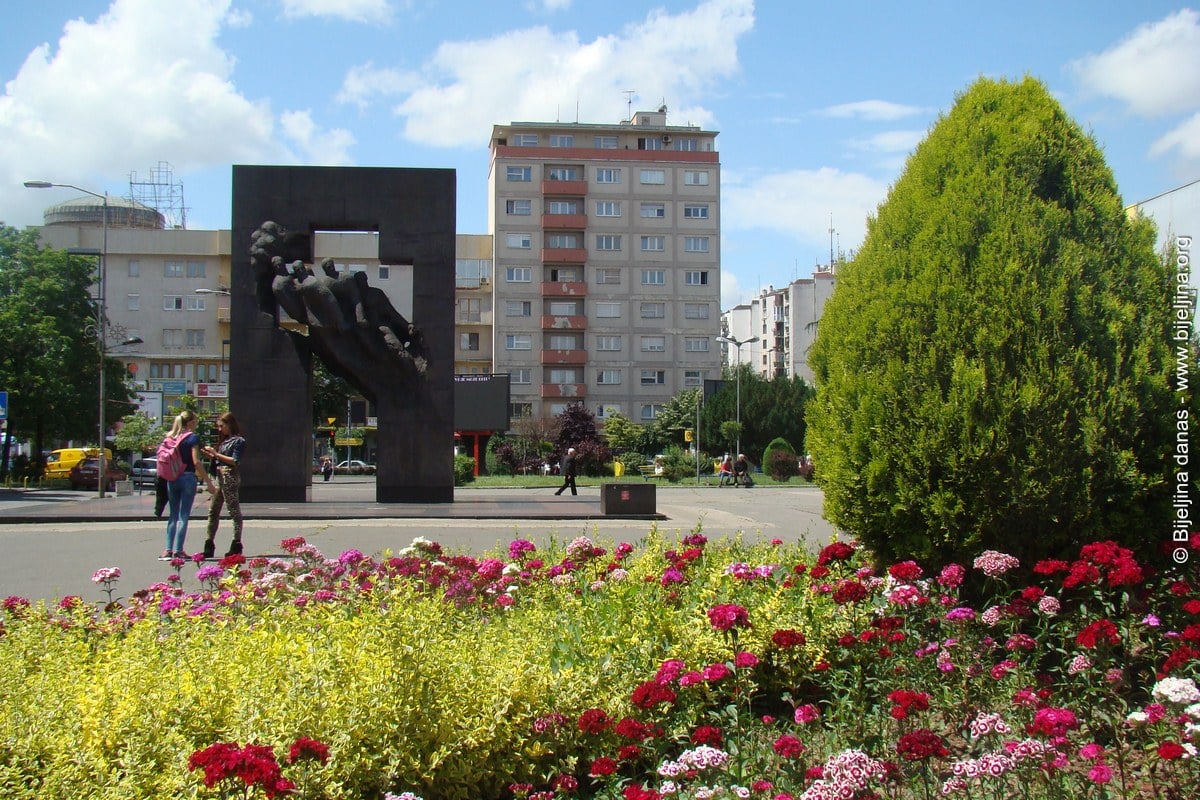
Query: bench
column 647, row 471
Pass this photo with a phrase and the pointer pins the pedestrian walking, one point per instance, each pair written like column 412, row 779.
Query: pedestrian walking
column 568, row 472
column 226, row 458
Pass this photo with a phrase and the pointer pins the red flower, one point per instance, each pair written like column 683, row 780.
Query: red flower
column 635, row 792
column 1051, row 721
column 905, row 571
column 650, row 694
column 1170, row 751
column 786, row 637
column 1179, row 657
column 788, row 746
column 1099, row 632
column 566, row 783
column 818, row 573
column 1050, row 567
column 726, row 616
column 905, row 701
column 1192, row 606
column 594, row 720
column 921, row 745
column 1081, row 574
column 837, row 551
column 308, row 748
column 629, row 752
column 715, row 672
column 603, row 766
column 849, row 591
column 707, row 734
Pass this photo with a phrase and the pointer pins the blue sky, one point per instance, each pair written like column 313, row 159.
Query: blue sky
column 817, row 104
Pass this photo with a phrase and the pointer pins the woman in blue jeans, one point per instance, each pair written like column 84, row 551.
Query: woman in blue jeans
column 181, row 492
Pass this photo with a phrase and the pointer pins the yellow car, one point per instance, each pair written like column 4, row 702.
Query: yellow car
column 60, row 462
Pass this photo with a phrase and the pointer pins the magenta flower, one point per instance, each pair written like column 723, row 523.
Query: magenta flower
column 727, row 616
column 994, row 563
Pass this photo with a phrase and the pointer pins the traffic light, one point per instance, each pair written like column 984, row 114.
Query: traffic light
column 332, row 437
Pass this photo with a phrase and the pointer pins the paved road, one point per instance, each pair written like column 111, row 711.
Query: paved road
column 76, row 533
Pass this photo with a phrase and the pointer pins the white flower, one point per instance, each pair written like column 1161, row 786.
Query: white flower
column 1176, row 690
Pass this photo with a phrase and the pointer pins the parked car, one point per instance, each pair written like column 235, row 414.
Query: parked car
column 354, row 467
column 144, row 472
column 60, row 462
column 83, row 475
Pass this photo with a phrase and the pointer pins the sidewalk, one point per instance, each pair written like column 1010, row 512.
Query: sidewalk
column 347, row 498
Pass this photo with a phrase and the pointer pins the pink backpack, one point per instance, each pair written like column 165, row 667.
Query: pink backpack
column 169, row 463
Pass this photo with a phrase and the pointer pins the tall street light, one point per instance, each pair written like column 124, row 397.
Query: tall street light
column 101, row 309
column 738, row 379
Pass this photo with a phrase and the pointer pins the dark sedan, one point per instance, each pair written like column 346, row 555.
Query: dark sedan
column 83, row 475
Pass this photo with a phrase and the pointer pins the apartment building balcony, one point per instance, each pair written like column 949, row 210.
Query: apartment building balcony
column 563, row 322
column 568, row 357
column 564, row 289
column 223, row 314
column 558, row 222
column 564, row 255
column 560, row 188
column 564, row 390
column 473, row 317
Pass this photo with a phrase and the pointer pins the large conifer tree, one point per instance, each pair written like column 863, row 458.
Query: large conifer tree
column 992, row 368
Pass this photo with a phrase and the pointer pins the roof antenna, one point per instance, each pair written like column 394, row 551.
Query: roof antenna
column 628, row 102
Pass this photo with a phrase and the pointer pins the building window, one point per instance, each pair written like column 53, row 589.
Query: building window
column 563, row 240
column 195, row 303
column 520, row 410
column 470, row 309
column 604, row 142
column 518, row 241
column 564, row 207
column 654, row 344
column 608, row 276
column 518, row 274
column 195, row 337
column 172, row 337
column 695, row 211
column 608, row 208
column 518, row 308
column 608, row 175
column 687, row 145
column 385, row 272
column 695, row 344
column 653, row 310
column 564, row 274
column 651, row 411
column 518, row 341
column 563, row 341
column 195, row 269
column 135, row 268
column 519, row 174
column 693, row 377
column 695, row 244
column 695, row 310
column 608, row 344
column 564, row 375
column 564, row 308
column 654, row 210
column 133, row 302
column 609, row 377
column 523, row 140
column 650, row 143
column 654, row 244
column 653, row 177
column 695, row 177
column 608, row 241
column 172, row 269
column 653, row 277
column 468, row 341
column 562, row 140
column 654, row 377
column 608, row 310
column 562, row 174
column 518, row 208
column 696, row 277
column 172, row 302
column 520, row 376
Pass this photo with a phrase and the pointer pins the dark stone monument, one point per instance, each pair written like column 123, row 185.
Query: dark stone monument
column 404, row 366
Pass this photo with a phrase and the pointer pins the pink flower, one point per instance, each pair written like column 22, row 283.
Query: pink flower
column 745, row 659
column 951, row 576
column 788, row 746
column 727, row 616
column 715, row 672
column 806, row 713
column 1078, row 664
column 994, row 563
column 1049, row 605
column 106, row 574
column 1101, row 773
column 1091, row 751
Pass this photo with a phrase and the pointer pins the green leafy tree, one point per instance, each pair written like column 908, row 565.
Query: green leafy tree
column 779, row 460
column 623, row 434
column 49, row 363
column 139, row 434
column 992, row 366
column 677, row 415
column 770, row 408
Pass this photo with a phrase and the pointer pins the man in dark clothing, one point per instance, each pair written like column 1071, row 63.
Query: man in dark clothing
column 741, row 472
column 568, row 471
column 160, row 496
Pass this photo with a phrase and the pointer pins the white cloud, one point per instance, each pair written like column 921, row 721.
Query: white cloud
column 366, row 81
column 352, row 10
column 537, row 73
column 1184, row 139
column 799, row 203
column 889, row 142
column 548, row 6
column 145, row 82
column 1155, row 70
column 326, row 148
column 875, row 110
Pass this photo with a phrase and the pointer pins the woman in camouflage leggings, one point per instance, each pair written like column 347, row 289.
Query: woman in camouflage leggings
column 225, row 458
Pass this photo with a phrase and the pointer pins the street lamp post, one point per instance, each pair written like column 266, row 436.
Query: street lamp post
column 101, row 309
column 738, row 379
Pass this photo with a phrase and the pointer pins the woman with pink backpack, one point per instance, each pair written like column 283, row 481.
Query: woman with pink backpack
column 178, row 460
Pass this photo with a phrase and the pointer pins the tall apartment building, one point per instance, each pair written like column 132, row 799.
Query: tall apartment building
column 606, row 263
column 785, row 323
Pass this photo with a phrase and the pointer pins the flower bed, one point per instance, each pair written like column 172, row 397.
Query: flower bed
column 676, row 668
